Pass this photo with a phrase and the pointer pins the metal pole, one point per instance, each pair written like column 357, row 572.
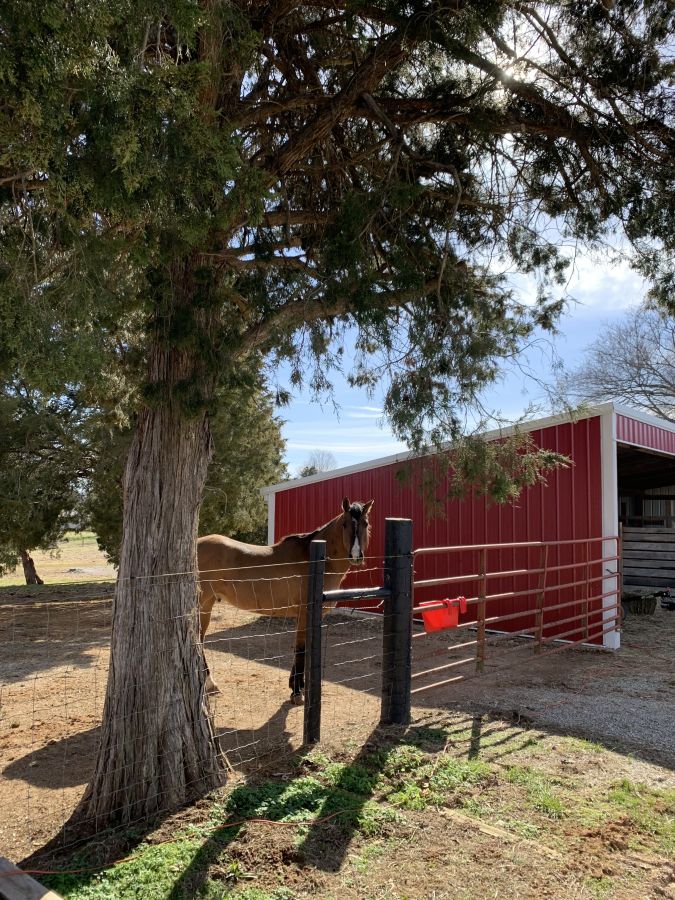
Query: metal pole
column 397, row 625
column 480, row 612
column 541, row 597
column 317, row 570
column 585, row 588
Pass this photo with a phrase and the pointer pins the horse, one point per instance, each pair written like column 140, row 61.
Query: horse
column 273, row 581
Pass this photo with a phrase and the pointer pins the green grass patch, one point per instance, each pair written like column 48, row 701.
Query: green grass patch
column 473, row 807
column 340, row 793
column 538, row 789
column 581, row 744
column 372, row 851
column 651, row 811
column 524, row 829
column 415, row 781
column 601, row 888
column 151, row 875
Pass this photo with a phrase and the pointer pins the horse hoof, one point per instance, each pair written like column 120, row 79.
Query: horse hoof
column 297, row 699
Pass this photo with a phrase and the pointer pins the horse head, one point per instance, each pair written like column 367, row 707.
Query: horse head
column 355, row 530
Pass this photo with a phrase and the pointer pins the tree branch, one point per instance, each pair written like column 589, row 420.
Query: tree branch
column 299, row 311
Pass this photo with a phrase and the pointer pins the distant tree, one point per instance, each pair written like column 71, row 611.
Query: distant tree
column 41, row 463
column 248, row 451
column 631, row 361
column 318, row 461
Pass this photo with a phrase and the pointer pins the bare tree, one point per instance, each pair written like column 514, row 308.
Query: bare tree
column 318, row 461
column 632, row 361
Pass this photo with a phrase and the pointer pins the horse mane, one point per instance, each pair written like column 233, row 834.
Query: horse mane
column 307, row 537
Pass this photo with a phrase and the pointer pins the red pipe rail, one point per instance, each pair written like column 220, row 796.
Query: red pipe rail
column 588, row 596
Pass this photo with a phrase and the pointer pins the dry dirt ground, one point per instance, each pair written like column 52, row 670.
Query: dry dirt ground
column 523, row 712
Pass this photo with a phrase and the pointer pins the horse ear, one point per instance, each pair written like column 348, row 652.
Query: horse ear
column 345, row 504
column 367, row 506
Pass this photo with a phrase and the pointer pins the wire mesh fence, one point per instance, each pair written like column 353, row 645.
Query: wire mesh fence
column 54, row 661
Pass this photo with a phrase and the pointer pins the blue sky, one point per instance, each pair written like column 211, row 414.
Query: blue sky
column 602, row 292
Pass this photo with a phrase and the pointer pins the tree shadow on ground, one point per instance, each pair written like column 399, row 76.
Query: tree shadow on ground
column 58, row 764
column 115, row 842
column 329, row 811
column 338, row 801
column 45, row 634
column 337, row 811
column 68, row 762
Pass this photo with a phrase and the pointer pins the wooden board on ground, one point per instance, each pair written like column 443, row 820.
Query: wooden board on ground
column 16, row 885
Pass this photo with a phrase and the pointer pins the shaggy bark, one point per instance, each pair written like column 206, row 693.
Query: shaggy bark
column 157, row 749
column 29, row 569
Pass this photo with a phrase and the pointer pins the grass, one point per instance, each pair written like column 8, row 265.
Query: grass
column 601, row 888
column 539, row 792
column 77, row 550
column 360, row 807
column 651, row 811
column 151, row 875
column 581, row 744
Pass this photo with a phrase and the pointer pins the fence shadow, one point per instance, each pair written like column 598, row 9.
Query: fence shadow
column 337, row 813
column 579, row 692
column 37, row 637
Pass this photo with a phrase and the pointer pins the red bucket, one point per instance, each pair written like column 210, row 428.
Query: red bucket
column 440, row 619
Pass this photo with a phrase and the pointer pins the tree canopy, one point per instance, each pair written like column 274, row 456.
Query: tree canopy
column 40, row 467
column 322, row 164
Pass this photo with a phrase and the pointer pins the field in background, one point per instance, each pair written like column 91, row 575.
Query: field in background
column 76, row 558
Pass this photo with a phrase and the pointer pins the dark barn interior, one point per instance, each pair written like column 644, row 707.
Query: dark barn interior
column 646, row 485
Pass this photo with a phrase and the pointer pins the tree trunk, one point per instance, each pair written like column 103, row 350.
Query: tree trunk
column 157, row 748
column 29, row 570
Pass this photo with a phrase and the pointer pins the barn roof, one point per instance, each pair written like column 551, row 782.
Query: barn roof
column 522, row 428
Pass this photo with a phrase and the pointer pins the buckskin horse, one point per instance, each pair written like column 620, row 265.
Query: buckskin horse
column 272, row 581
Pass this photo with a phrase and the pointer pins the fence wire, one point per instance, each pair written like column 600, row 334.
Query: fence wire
column 54, row 661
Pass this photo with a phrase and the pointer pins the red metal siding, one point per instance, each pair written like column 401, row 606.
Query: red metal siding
column 568, row 507
column 632, row 431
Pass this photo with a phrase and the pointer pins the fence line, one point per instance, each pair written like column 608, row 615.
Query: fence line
column 589, row 602
column 251, row 723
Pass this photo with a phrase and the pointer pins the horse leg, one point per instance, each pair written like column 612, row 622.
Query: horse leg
column 297, row 680
column 205, row 608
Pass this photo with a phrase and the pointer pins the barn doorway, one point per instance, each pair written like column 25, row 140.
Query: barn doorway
column 646, row 486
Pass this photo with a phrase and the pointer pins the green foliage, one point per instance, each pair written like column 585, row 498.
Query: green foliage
column 164, row 183
column 151, row 874
column 40, row 468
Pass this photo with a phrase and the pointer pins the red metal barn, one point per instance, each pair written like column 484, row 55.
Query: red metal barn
column 617, row 455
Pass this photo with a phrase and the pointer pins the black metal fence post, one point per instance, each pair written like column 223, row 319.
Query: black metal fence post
column 397, row 625
column 317, row 569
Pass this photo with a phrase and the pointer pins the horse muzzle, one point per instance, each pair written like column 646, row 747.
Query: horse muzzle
column 356, row 562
